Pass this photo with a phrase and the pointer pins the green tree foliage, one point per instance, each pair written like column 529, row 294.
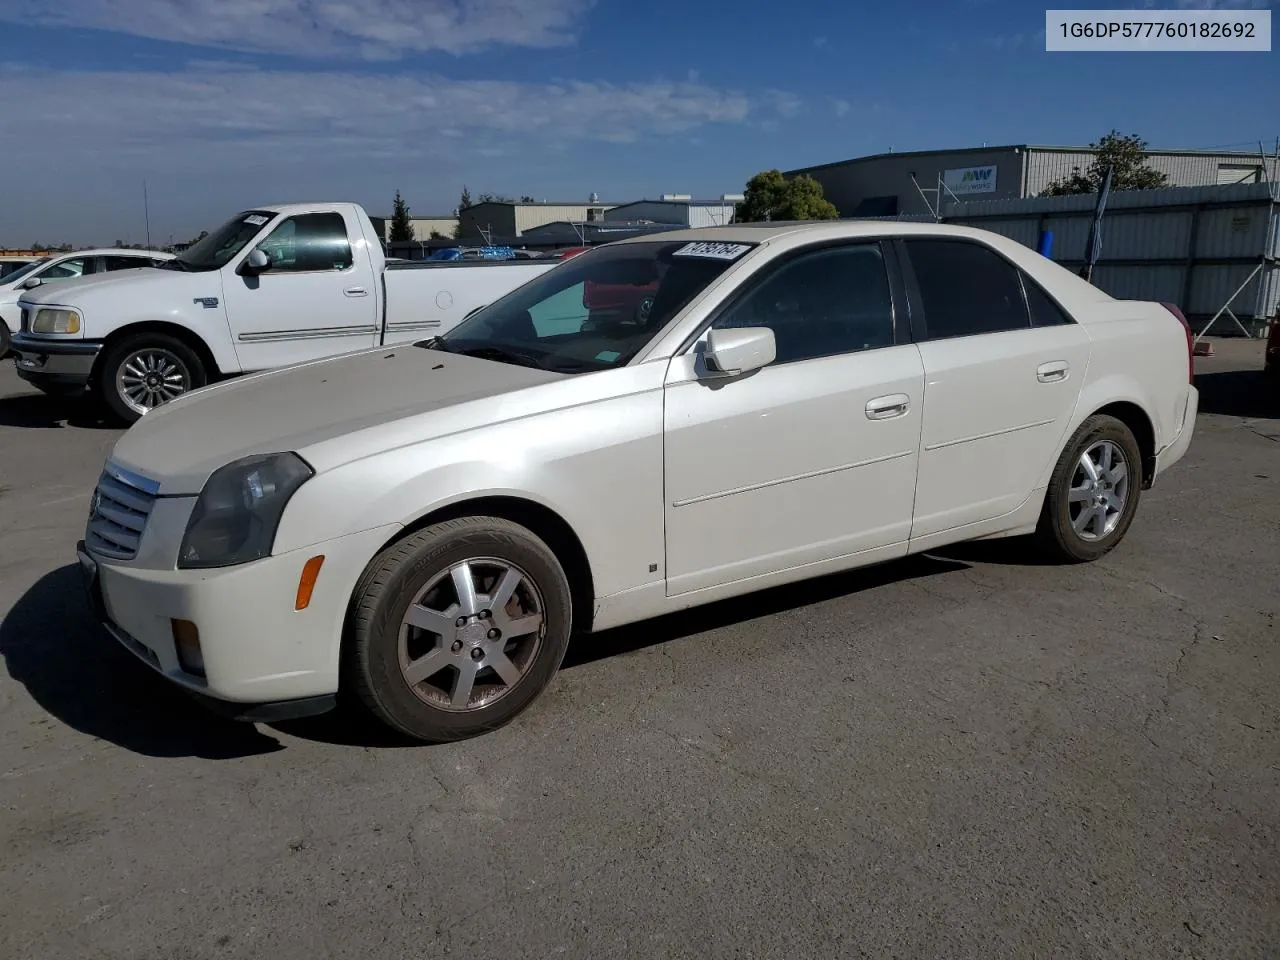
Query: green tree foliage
column 771, row 196
column 401, row 227
column 1126, row 154
column 464, row 201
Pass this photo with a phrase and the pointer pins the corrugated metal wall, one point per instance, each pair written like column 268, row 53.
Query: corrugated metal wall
column 1182, row 169
column 1193, row 246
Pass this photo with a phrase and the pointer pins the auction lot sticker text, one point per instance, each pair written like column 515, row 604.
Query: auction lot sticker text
column 1131, row 31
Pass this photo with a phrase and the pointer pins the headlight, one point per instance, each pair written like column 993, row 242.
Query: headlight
column 235, row 518
column 56, row 321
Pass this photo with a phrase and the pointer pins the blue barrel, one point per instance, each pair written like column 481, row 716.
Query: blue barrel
column 1046, row 244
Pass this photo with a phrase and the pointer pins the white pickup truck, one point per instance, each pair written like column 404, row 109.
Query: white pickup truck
column 271, row 287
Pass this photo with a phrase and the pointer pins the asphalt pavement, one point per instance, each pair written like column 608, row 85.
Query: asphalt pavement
column 961, row 755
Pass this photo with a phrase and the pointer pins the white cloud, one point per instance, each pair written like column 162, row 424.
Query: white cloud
column 206, row 111
column 841, row 107
column 372, row 29
column 784, row 104
column 1223, row 4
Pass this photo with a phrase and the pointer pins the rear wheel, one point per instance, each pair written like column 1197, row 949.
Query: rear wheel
column 145, row 370
column 1093, row 493
column 458, row 628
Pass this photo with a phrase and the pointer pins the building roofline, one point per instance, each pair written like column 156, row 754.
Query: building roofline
column 1024, row 147
column 540, row 203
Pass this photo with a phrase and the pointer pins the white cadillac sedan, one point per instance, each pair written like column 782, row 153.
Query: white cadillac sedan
column 651, row 425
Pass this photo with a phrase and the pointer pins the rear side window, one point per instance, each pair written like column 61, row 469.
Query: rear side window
column 126, row 263
column 966, row 289
column 1044, row 312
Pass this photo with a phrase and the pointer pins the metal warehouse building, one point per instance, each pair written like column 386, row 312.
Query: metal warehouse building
column 1201, row 248
column 882, row 186
column 501, row 218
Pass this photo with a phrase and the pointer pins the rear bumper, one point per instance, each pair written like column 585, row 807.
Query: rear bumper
column 61, row 362
column 1172, row 453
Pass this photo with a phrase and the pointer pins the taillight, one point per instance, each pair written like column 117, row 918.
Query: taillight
column 1191, row 340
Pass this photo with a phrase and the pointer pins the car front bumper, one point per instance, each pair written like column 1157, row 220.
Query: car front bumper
column 262, row 658
column 56, row 362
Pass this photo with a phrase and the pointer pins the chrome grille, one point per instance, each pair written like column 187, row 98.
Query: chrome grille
column 118, row 514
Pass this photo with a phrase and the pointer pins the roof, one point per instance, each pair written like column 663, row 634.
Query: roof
column 542, row 203
column 108, row 252
column 835, row 229
column 1022, row 147
column 680, row 203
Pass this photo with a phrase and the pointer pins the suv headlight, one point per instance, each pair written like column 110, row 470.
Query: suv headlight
column 239, row 509
column 56, row 321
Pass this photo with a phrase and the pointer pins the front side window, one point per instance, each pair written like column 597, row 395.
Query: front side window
column 308, row 243
column 967, row 289
column 66, row 269
column 822, row 303
column 24, row 270
column 593, row 312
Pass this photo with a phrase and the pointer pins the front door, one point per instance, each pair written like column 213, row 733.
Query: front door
column 1003, row 365
column 812, row 457
column 314, row 301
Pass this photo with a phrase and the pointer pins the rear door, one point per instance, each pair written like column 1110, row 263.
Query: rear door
column 317, row 299
column 1003, row 367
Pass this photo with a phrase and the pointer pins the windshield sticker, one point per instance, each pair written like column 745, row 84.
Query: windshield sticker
column 257, row 220
column 712, row 250
column 608, row 356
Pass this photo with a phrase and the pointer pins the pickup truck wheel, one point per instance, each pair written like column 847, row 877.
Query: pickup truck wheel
column 145, row 370
column 1093, row 493
column 457, row 628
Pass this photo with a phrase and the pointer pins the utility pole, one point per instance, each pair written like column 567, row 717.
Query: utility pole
column 146, row 213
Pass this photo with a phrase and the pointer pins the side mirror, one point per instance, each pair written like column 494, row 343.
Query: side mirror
column 30, row 283
column 736, row 351
column 255, row 263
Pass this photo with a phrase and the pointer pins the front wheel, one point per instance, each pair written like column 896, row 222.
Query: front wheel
column 145, row 370
column 457, row 628
column 1093, row 493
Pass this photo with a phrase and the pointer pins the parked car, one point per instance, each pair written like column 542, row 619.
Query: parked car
column 60, row 267
column 424, row 527
column 270, row 287
column 10, row 264
column 1271, row 358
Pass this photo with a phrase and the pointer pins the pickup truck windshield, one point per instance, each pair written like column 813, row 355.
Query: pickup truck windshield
column 216, row 249
column 595, row 311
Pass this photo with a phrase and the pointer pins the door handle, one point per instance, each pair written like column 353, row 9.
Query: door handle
column 1053, row 372
column 885, row 408
column 356, row 292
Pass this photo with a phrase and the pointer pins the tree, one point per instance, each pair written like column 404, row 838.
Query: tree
column 1126, row 154
column 437, row 235
column 465, row 200
column 771, row 196
column 494, row 198
column 527, row 199
column 401, row 228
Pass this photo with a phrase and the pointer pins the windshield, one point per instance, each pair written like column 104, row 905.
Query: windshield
column 24, row 271
column 216, row 250
column 595, row 311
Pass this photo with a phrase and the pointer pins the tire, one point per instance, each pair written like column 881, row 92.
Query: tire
column 1072, row 493
column 139, row 359
column 4, row 339
column 432, row 701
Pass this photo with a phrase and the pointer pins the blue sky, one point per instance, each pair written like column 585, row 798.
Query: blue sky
column 223, row 104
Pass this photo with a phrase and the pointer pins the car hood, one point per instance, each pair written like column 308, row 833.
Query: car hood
column 295, row 409
column 78, row 291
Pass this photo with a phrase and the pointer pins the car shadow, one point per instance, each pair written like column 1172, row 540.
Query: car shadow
column 75, row 671
column 724, row 613
column 1239, row 393
column 40, row 411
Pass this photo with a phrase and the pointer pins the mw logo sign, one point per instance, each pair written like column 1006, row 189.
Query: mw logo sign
column 970, row 180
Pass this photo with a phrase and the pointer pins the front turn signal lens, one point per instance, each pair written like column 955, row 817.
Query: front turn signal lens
column 186, row 642
column 307, row 582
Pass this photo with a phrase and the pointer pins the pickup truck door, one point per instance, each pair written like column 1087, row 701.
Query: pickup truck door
column 317, row 298
column 811, row 458
column 1003, row 368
